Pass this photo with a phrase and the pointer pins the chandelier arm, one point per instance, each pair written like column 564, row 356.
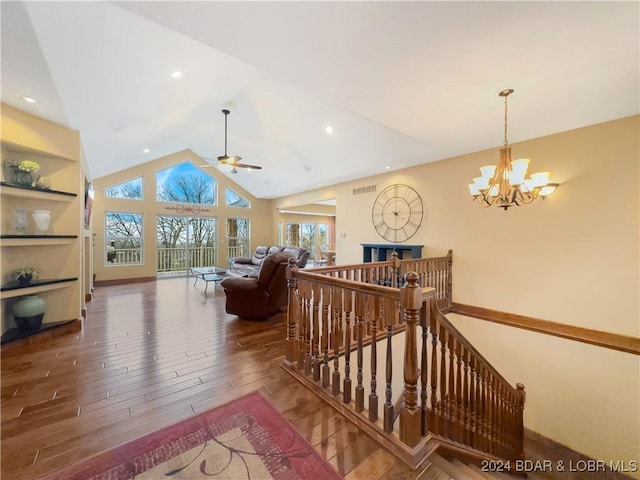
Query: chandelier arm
column 506, row 142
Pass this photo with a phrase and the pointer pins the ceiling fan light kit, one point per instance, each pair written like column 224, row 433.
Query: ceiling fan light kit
column 504, row 184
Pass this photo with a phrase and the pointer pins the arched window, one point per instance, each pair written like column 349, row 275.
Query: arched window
column 185, row 183
column 234, row 199
column 131, row 190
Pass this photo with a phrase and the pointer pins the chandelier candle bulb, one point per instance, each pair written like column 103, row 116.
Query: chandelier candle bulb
column 504, row 184
column 520, row 165
column 516, row 178
column 540, row 179
column 488, row 171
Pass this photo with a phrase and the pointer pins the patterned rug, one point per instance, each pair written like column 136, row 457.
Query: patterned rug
column 244, row 439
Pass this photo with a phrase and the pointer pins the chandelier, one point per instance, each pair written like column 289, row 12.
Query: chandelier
column 505, row 185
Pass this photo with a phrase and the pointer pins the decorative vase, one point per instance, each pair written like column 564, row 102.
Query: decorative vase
column 28, row 312
column 22, row 178
column 42, row 219
column 20, row 221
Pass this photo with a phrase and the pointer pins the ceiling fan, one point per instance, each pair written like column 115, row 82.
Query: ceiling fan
column 228, row 163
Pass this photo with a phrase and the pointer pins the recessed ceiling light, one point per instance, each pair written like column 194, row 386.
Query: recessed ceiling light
column 176, row 74
column 146, row 150
column 319, row 184
column 29, row 99
column 387, row 167
column 329, row 129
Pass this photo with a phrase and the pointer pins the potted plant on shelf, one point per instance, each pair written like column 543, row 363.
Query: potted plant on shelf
column 23, row 172
column 25, row 275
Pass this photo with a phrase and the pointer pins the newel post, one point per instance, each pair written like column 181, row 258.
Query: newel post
column 411, row 301
column 395, row 269
column 291, row 343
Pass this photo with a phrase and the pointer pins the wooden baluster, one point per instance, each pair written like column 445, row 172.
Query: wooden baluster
column 303, row 326
column 490, row 412
column 336, row 300
column 521, row 398
column 460, row 394
column 359, row 332
column 291, row 348
column 326, row 300
column 424, row 365
column 436, row 408
column 483, row 408
column 315, row 337
column 502, row 419
column 473, row 406
column 451, row 389
column 346, row 387
column 477, row 442
column 389, row 317
column 411, row 300
column 377, row 311
column 449, row 296
column 444, row 398
column 467, row 439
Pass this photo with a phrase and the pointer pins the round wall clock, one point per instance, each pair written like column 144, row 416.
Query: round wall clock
column 397, row 213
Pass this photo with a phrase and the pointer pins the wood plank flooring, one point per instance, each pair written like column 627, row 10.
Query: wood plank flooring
column 149, row 355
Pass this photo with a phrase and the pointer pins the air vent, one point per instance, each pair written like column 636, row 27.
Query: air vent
column 367, row 189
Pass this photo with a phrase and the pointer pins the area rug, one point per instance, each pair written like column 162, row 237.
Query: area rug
column 244, row 439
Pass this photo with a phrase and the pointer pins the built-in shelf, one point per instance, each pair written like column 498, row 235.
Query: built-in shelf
column 14, row 334
column 18, row 191
column 35, row 240
column 10, row 290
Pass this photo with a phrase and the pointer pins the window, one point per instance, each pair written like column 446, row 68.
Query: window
column 185, row 183
column 131, row 190
column 301, row 235
column 323, row 235
column 234, row 199
column 123, row 238
column 238, row 237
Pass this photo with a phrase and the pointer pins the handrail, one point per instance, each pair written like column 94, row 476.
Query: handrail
column 614, row 341
column 449, row 390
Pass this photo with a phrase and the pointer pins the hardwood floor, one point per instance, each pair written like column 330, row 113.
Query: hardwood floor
column 149, row 355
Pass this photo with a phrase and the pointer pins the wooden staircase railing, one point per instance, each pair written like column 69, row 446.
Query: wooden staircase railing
column 341, row 322
column 434, row 272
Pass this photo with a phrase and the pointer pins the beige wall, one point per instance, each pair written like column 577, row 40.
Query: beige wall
column 262, row 226
column 572, row 258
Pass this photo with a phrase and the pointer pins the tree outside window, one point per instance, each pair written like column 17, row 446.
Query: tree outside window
column 185, row 183
column 238, row 237
column 131, row 190
column 123, row 238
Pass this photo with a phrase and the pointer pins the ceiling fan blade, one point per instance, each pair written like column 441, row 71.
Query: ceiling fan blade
column 246, row 165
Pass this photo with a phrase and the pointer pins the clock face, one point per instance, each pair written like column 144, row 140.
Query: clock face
column 397, row 213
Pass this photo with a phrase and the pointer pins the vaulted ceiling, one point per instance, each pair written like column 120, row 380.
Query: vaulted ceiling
column 401, row 83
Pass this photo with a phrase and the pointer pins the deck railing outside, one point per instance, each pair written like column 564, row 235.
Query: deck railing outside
column 174, row 260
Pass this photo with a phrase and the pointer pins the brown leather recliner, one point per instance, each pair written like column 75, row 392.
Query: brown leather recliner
column 261, row 295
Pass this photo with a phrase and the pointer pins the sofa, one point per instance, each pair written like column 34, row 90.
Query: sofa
column 249, row 266
column 259, row 296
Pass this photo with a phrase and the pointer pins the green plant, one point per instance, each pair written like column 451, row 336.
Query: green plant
column 29, row 166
